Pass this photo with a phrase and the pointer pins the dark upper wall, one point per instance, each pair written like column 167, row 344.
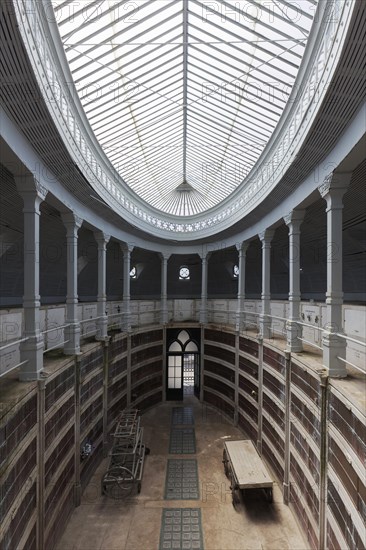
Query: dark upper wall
column 147, row 285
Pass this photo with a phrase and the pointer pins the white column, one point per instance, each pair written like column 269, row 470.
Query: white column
column 31, row 351
column 164, row 288
column 334, row 347
column 203, row 311
column 72, row 330
column 240, row 317
column 102, row 323
column 293, row 329
column 264, row 321
column 126, row 319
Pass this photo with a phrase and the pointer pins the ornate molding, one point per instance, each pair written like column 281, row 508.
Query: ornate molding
column 324, row 187
column 71, row 219
column 101, row 237
column 127, row 247
column 266, row 236
column 294, row 216
column 242, row 247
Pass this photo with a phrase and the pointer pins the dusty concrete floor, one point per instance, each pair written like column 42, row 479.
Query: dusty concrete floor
column 105, row 524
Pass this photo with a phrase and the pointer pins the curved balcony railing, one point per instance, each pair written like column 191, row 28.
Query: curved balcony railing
column 145, row 313
column 49, row 64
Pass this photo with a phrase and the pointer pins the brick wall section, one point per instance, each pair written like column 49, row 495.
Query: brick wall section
column 18, row 476
column 349, row 425
column 220, row 337
column 344, row 518
column 220, row 353
column 15, row 427
column 151, row 369
column 117, row 367
column 274, row 359
column 309, row 458
column 219, row 403
column 248, row 346
column 219, row 386
column 146, row 353
column 220, row 370
column 300, row 511
column 59, row 385
column 19, row 520
column 248, row 367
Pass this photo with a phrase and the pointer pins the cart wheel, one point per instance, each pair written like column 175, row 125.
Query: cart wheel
column 118, row 482
column 226, row 464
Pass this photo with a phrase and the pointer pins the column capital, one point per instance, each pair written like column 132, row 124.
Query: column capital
column 294, row 217
column 71, row 220
column 31, row 191
column 126, row 247
column 101, row 237
column 337, row 182
column 204, row 255
column 242, row 246
column 164, row 255
column 266, row 236
column 29, row 184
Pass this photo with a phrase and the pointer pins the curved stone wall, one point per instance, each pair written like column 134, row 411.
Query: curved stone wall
column 309, row 429
column 45, row 425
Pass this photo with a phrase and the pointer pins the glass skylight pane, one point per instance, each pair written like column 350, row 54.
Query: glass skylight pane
column 156, row 103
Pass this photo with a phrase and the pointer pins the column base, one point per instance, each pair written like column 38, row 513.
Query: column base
column 72, row 339
column 333, row 348
column 264, row 327
column 102, row 329
column 32, row 352
column 293, row 332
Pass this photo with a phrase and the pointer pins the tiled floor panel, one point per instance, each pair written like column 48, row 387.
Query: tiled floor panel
column 182, row 480
column 181, row 529
column 182, row 416
column 182, row 441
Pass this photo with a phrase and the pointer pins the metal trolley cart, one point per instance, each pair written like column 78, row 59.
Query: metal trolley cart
column 245, row 469
column 126, row 463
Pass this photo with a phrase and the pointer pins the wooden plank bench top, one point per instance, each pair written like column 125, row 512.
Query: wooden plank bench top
column 247, row 465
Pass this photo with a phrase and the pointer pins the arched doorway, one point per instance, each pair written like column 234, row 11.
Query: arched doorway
column 183, row 363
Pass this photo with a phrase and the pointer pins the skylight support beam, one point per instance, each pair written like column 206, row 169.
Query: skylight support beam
column 185, row 86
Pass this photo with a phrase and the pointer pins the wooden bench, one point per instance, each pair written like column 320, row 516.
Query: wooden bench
column 245, row 469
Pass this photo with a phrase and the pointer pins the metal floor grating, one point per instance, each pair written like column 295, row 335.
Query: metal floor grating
column 181, row 529
column 182, row 441
column 182, row 479
column 182, row 416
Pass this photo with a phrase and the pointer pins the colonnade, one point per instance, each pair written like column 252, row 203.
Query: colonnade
column 333, row 344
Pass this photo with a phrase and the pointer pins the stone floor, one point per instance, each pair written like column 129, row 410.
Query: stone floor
column 134, row 524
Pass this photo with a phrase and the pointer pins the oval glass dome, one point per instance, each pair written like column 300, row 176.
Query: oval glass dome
column 183, row 95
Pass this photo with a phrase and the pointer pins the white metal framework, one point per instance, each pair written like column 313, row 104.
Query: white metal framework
column 183, row 95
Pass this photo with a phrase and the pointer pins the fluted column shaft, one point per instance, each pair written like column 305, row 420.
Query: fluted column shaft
column 293, row 329
column 31, row 351
column 264, row 320
column 334, row 347
column 72, row 331
column 102, row 323
column 240, row 316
